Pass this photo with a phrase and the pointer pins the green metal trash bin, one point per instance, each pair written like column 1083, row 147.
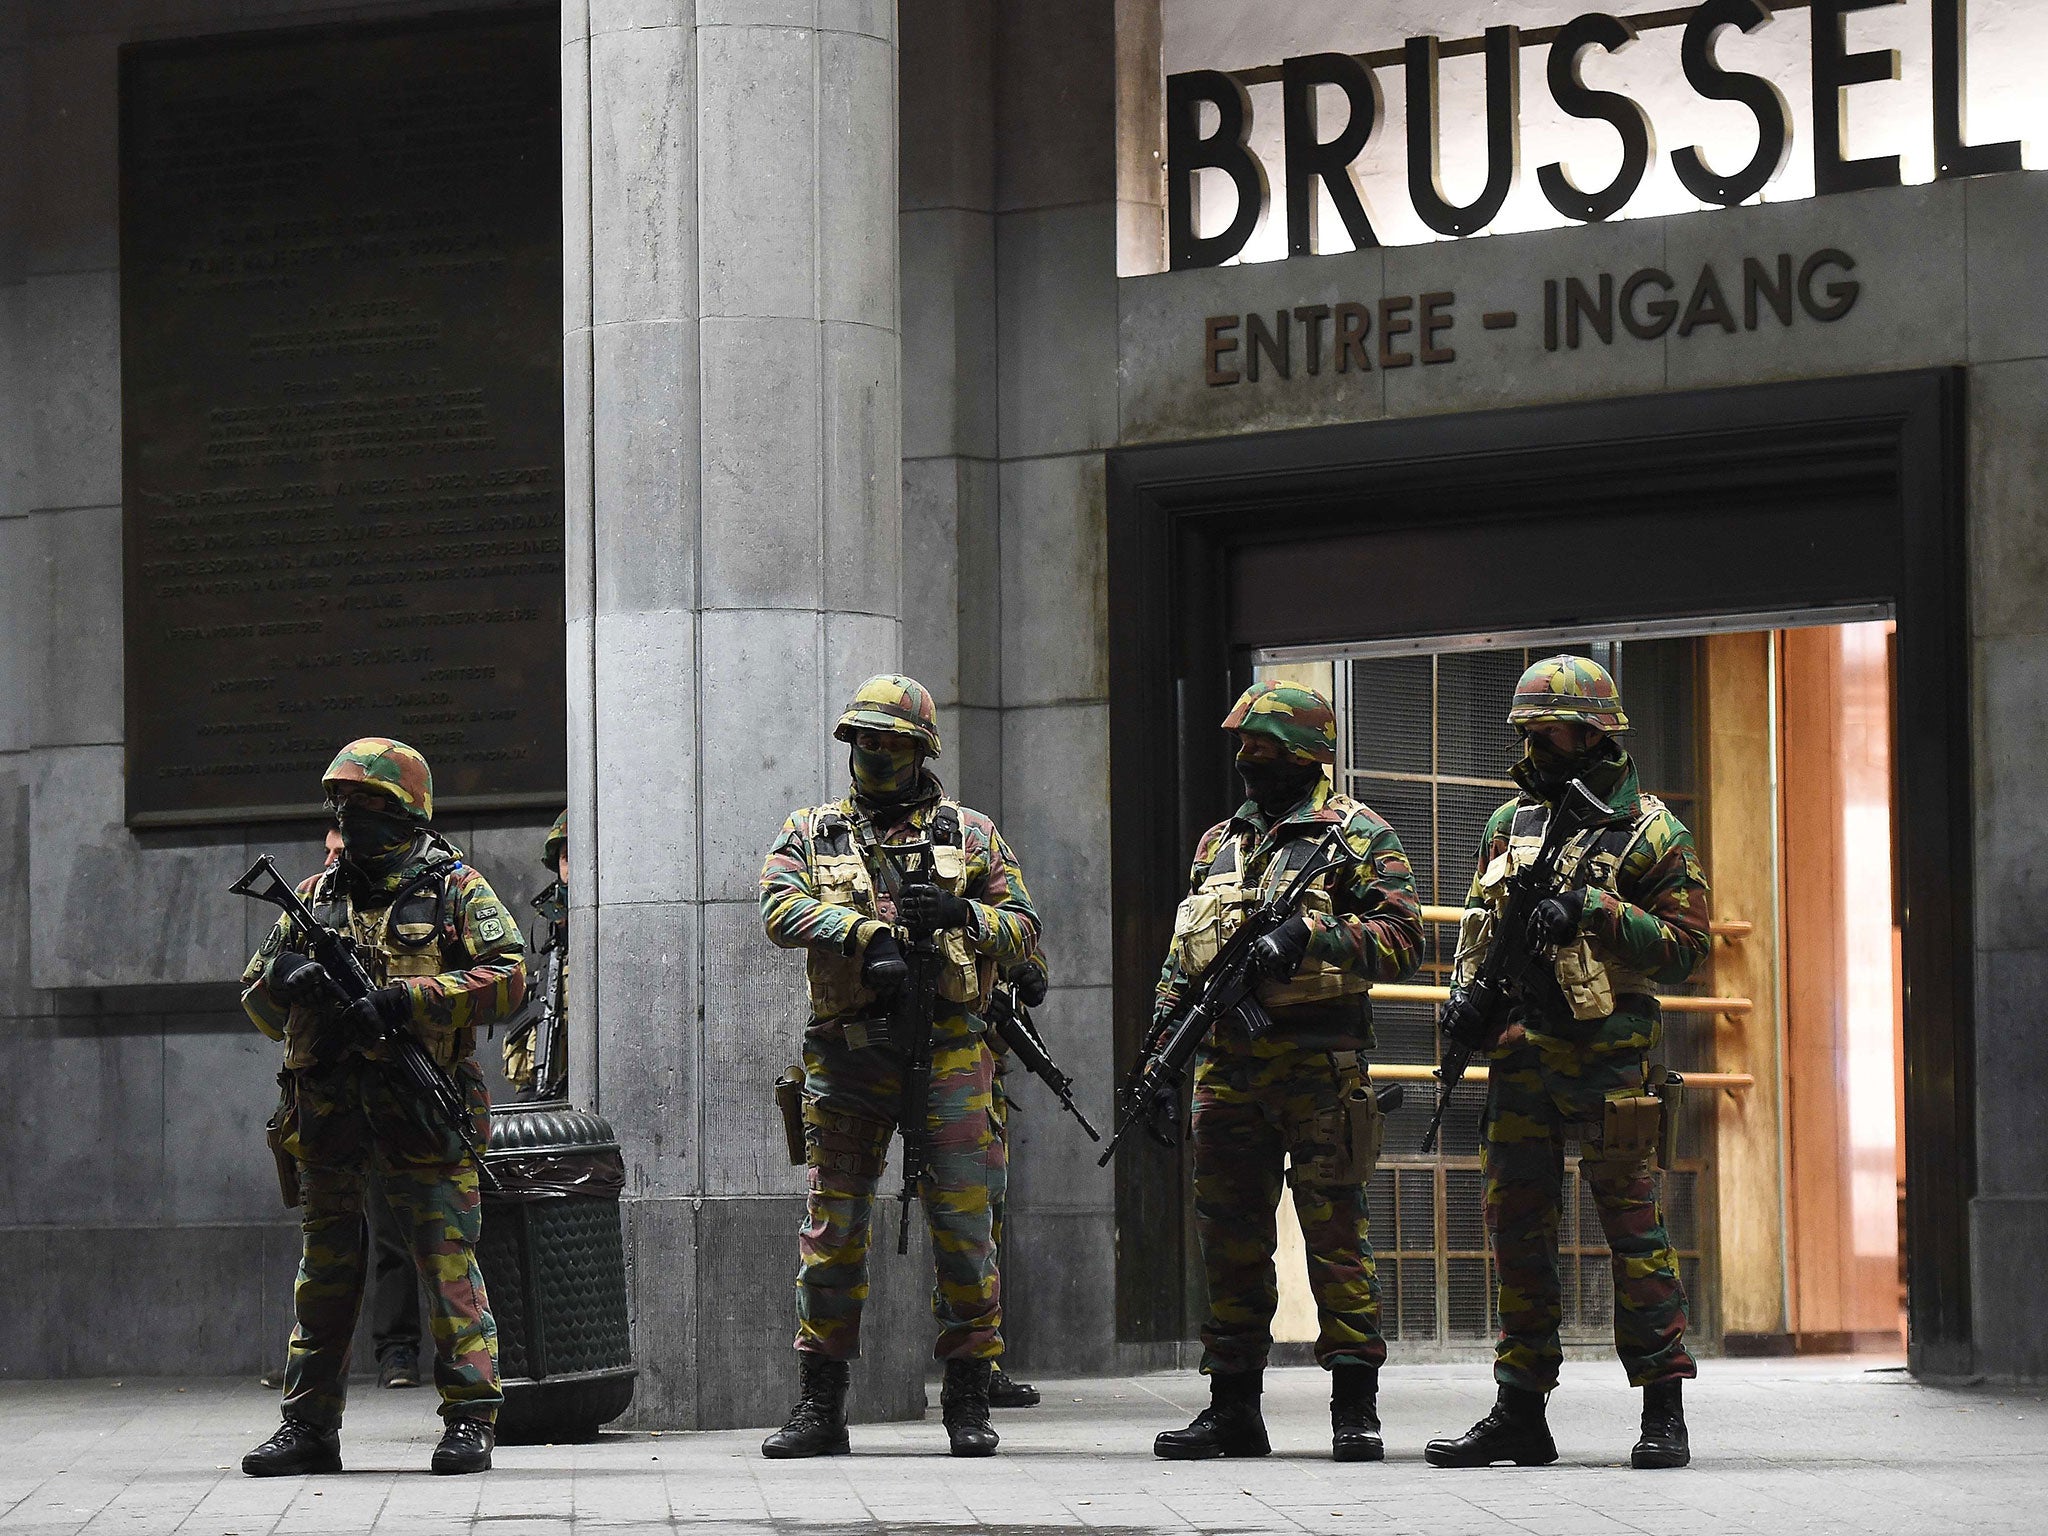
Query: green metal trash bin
column 555, row 1268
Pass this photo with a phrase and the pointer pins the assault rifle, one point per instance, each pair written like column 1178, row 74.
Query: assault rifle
column 550, row 1030
column 911, row 1032
column 1152, row 1087
column 337, row 956
column 1013, row 1026
column 1511, row 968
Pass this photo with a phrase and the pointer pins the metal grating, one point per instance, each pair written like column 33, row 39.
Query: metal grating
column 1429, row 750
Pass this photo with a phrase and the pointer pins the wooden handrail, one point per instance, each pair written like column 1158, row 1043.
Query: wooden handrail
column 1403, row 1072
column 1725, row 928
column 1413, row 992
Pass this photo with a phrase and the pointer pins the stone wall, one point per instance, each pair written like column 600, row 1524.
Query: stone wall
column 139, row 1218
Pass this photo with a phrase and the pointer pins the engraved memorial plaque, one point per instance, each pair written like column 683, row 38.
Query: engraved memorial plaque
column 342, row 412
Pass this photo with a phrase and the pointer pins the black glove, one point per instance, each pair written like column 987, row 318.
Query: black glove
column 372, row 1014
column 1556, row 918
column 1278, row 955
column 882, row 966
column 929, row 909
column 1161, row 1111
column 296, row 980
column 1462, row 1022
column 1030, row 984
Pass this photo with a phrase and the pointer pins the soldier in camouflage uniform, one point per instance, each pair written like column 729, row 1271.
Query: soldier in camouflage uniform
column 553, row 905
column 1299, row 1093
column 828, row 888
column 1632, row 916
column 447, row 960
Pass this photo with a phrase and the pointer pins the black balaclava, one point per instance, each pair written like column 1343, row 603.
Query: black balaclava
column 887, row 775
column 375, row 842
column 1548, row 769
column 1277, row 785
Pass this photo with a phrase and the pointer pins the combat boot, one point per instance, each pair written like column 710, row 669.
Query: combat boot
column 466, row 1446
column 1354, row 1414
column 963, row 1406
column 1514, row 1431
column 1664, row 1442
column 817, row 1424
column 1005, row 1391
column 1230, row 1426
column 296, row 1449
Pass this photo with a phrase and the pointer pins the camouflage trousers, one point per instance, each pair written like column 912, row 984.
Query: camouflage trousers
column 1252, row 1110
column 342, row 1122
column 850, row 1104
column 998, row 1164
column 1534, row 1101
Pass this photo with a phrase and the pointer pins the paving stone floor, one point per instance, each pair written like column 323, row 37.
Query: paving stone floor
column 1782, row 1446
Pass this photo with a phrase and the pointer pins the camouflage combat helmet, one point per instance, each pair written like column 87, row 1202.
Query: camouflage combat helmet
column 388, row 765
column 1299, row 718
column 551, row 850
column 892, row 702
column 1569, row 688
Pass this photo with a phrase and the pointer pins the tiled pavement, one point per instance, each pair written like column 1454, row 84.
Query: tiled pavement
column 1783, row 1446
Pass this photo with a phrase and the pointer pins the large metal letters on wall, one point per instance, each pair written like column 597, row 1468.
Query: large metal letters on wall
column 342, row 412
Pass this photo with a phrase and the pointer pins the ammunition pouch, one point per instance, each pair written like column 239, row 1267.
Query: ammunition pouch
column 789, row 1101
column 841, row 878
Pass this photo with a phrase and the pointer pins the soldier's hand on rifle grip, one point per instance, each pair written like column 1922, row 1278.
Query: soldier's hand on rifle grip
column 1162, row 1117
column 1278, row 955
column 1556, row 918
column 928, row 909
column 295, row 980
column 1030, row 984
column 371, row 1015
column 882, row 966
column 1463, row 1022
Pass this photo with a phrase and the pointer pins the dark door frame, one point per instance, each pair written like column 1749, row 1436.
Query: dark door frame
column 1753, row 499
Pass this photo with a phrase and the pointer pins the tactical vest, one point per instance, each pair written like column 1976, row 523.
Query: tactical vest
column 414, row 936
column 1590, row 978
column 1210, row 914
column 839, row 849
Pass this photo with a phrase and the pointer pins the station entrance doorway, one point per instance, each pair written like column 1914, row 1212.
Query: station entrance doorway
column 1776, row 576
column 1773, row 746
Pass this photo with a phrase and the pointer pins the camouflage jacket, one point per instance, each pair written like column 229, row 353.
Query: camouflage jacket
column 449, row 942
column 1371, row 930
column 823, row 892
column 1649, row 919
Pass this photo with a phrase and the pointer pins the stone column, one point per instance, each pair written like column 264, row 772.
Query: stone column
column 1056, row 315
column 731, row 360
column 952, row 602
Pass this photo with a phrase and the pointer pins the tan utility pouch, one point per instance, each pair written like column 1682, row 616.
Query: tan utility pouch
column 789, row 1099
column 1196, row 932
column 1365, row 1128
column 1582, row 977
column 1640, row 1127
